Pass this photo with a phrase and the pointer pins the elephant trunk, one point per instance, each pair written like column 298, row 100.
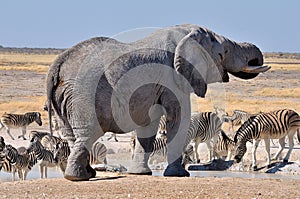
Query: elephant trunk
column 247, row 61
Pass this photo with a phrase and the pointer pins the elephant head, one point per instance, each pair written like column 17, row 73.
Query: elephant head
column 204, row 57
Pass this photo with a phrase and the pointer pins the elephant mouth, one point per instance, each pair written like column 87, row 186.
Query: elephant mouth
column 251, row 70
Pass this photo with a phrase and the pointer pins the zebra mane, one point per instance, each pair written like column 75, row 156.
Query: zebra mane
column 243, row 127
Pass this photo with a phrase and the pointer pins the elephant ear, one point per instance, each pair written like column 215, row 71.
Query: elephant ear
column 194, row 63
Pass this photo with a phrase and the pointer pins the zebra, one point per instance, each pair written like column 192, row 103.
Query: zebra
column 25, row 161
column 238, row 118
column 54, row 118
column 273, row 125
column 49, row 142
column 38, row 134
column 45, row 158
column 61, row 154
column 97, row 153
column 224, row 146
column 159, row 146
column 162, row 127
column 9, row 120
column 113, row 136
column 8, row 159
column 204, row 127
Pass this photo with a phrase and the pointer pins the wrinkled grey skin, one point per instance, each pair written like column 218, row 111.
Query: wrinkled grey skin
column 102, row 85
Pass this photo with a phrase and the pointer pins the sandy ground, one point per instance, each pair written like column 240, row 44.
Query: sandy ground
column 19, row 85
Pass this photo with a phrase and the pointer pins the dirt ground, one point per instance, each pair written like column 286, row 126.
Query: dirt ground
column 111, row 185
column 24, row 90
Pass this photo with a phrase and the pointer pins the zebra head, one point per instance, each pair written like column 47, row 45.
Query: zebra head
column 35, row 145
column 38, row 119
column 240, row 151
column 61, row 152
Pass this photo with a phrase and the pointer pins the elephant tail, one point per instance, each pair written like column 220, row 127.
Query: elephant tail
column 52, row 84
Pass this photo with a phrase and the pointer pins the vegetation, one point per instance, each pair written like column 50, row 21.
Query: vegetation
column 277, row 89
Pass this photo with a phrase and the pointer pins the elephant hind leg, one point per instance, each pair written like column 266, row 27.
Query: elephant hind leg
column 78, row 167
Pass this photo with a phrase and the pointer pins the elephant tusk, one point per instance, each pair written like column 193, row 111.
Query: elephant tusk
column 256, row 69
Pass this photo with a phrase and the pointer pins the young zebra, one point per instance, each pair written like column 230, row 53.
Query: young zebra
column 204, row 127
column 225, row 146
column 61, row 154
column 97, row 153
column 238, row 118
column 25, row 161
column 9, row 120
column 44, row 157
column 8, row 159
column 274, row 125
column 49, row 142
column 38, row 134
column 113, row 136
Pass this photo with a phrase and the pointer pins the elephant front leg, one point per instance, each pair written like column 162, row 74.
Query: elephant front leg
column 176, row 142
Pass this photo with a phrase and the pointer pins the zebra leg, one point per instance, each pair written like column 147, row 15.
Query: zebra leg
column 196, row 154
column 23, row 133
column 254, row 148
column 42, row 171
column 291, row 146
column 214, row 145
column 46, row 171
column 8, row 132
column 143, row 148
column 281, row 147
column 267, row 146
column 208, row 144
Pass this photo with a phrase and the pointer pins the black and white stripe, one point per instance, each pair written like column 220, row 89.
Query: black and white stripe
column 204, row 128
column 9, row 120
column 225, row 146
column 8, row 159
column 49, row 142
column 44, row 157
column 238, row 118
column 97, row 153
column 274, row 125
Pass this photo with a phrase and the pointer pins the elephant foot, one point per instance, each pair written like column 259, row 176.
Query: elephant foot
column 139, row 165
column 139, row 168
column 175, row 169
column 78, row 167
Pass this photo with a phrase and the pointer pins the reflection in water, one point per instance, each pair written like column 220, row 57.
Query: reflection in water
column 223, row 174
column 33, row 174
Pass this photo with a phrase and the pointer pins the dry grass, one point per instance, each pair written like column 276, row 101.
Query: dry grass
column 25, row 104
column 267, row 98
column 29, row 62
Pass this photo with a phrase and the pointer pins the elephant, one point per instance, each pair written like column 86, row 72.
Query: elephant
column 104, row 85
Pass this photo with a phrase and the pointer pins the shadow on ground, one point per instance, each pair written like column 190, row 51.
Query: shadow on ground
column 215, row 165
